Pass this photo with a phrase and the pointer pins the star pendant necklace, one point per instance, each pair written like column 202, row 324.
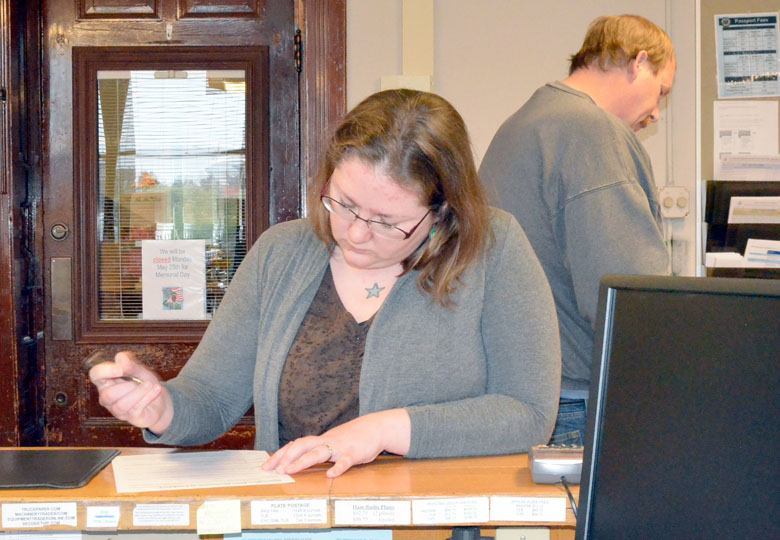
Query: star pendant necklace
column 373, row 292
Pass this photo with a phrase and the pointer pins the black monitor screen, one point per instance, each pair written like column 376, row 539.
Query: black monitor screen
column 683, row 436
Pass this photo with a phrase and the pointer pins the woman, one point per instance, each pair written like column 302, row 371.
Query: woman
column 403, row 315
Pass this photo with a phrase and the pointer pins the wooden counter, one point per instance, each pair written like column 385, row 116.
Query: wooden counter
column 439, row 494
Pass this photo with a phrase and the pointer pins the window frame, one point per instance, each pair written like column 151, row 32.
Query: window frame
column 87, row 61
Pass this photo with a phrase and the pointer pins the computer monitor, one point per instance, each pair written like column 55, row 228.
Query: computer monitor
column 683, row 433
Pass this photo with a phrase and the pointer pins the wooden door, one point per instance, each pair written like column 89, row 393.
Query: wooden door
column 100, row 218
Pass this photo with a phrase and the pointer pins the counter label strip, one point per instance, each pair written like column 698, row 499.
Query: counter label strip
column 332, row 534
column 102, row 517
column 219, row 517
column 30, row 515
column 527, row 508
column 161, row 515
column 372, row 512
column 456, row 510
column 289, row 511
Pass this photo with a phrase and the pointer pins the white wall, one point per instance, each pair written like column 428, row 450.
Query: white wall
column 490, row 56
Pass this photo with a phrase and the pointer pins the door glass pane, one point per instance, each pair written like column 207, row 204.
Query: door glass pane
column 172, row 167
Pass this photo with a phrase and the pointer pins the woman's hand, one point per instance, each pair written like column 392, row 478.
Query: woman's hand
column 358, row 441
column 133, row 393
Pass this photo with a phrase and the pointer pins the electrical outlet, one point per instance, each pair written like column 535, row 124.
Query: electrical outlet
column 675, row 201
column 522, row 533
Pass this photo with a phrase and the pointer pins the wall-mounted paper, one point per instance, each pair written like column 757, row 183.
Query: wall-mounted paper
column 754, row 168
column 745, row 142
column 747, row 46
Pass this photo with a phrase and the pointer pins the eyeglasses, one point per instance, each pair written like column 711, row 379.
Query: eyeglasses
column 385, row 230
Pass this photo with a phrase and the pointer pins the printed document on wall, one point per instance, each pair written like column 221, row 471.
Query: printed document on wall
column 174, row 279
column 747, row 45
column 745, row 145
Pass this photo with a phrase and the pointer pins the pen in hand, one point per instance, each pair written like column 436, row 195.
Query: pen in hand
column 98, row 357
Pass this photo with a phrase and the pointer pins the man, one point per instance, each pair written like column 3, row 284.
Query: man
column 570, row 168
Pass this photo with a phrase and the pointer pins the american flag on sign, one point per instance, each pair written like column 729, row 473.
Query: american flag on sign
column 176, row 294
column 173, row 298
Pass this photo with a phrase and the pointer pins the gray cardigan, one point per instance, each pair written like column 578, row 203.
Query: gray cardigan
column 480, row 378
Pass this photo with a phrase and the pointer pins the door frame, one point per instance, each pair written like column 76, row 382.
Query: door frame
column 323, row 81
column 22, row 309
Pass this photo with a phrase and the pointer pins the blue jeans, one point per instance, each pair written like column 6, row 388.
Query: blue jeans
column 570, row 425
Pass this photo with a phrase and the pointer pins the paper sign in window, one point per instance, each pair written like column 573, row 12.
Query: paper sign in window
column 174, row 279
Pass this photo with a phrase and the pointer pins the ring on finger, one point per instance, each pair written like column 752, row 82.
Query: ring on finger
column 330, row 450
